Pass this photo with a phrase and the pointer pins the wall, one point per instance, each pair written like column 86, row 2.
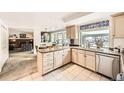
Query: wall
column 119, row 42
column 4, row 51
column 37, row 37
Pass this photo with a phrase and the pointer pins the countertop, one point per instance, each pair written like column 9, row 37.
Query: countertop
column 46, row 50
column 104, row 51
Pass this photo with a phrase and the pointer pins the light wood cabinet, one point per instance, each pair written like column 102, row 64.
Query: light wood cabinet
column 118, row 25
column 66, row 56
column 71, row 32
column 74, row 55
column 81, row 57
column 84, row 58
column 49, row 61
column 90, row 60
column 58, row 59
column 45, row 62
column 68, row 32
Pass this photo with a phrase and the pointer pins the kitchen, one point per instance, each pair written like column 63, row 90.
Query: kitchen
column 88, row 47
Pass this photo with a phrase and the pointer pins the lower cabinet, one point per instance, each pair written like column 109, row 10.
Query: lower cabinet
column 90, row 60
column 44, row 62
column 66, row 56
column 84, row 58
column 58, row 59
column 74, row 56
column 81, row 57
column 47, row 62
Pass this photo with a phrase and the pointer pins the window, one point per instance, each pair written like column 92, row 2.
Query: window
column 92, row 33
column 58, row 37
column 92, row 37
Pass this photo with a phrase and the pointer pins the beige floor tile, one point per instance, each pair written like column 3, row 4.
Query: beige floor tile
column 73, row 67
column 35, row 75
column 38, row 79
column 58, row 76
column 69, row 76
column 80, row 77
column 51, row 79
column 86, row 72
column 27, row 78
column 104, row 79
column 68, row 66
column 69, row 69
column 54, row 73
column 95, row 76
column 47, row 76
column 63, row 79
column 64, row 72
column 89, row 79
column 76, row 71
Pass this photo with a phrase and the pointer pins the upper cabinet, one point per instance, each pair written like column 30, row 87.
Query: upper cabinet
column 71, row 32
column 118, row 25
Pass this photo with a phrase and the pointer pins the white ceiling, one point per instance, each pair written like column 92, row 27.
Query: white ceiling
column 32, row 19
column 29, row 20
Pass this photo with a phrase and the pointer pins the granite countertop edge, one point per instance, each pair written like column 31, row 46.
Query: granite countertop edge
column 98, row 51
column 81, row 48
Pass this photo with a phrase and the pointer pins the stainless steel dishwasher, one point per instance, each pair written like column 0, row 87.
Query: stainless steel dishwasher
column 107, row 65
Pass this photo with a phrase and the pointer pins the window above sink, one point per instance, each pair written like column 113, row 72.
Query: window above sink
column 92, row 37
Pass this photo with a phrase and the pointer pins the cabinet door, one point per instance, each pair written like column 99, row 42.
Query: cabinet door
column 119, row 26
column 66, row 56
column 68, row 32
column 72, row 32
column 58, row 59
column 47, row 62
column 48, row 67
column 74, row 55
column 81, row 57
column 90, row 60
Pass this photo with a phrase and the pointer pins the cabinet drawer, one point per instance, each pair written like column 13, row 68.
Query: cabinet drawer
column 74, row 50
column 47, row 63
column 58, row 52
column 81, row 51
column 67, row 50
column 90, row 53
column 47, row 59
column 48, row 55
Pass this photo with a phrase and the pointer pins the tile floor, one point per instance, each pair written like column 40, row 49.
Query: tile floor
column 70, row 72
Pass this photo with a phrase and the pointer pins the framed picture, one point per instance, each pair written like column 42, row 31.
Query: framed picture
column 22, row 35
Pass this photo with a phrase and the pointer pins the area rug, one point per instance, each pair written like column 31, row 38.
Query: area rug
column 19, row 65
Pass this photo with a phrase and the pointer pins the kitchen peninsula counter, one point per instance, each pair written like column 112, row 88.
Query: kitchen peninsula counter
column 47, row 50
column 104, row 51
